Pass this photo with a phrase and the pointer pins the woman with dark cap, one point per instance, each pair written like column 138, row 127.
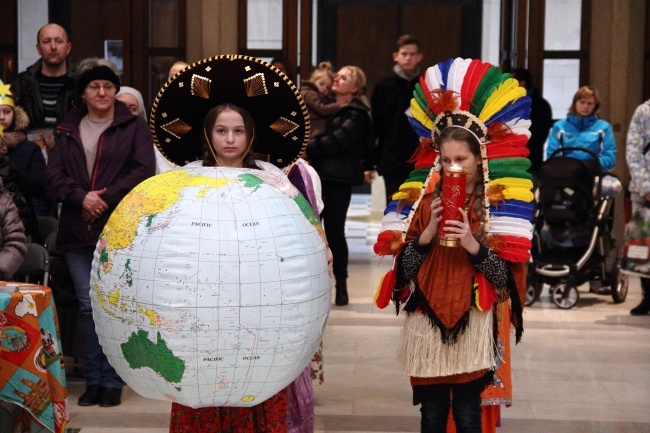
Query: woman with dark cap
column 101, row 152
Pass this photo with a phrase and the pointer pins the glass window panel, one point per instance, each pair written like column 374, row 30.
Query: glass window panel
column 562, row 25
column 164, row 13
column 158, row 70
column 561, row 80
column 264, row 25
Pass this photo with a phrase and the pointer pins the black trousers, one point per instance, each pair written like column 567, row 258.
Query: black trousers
column 336, row 198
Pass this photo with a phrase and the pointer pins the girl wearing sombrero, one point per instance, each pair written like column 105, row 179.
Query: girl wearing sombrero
column 255, row 119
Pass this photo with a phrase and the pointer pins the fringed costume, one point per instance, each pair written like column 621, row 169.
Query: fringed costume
column 460, row 306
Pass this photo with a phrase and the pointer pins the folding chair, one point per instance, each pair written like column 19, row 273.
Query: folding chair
column 46, row 226
column 36, row 265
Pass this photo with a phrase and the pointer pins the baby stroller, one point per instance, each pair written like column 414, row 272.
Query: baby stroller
column 572, row 241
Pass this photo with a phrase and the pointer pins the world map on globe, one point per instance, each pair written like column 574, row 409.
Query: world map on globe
column 210, row 286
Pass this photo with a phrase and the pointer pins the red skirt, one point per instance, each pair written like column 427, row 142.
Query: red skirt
column 267, row 417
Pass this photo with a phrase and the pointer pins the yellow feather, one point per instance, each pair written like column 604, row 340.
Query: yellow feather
column 419, row 115
column 507, row 91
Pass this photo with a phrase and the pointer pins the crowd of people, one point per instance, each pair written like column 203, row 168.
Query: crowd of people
column 96, row 147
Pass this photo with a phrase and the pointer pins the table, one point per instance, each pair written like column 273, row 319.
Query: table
column 32, row 373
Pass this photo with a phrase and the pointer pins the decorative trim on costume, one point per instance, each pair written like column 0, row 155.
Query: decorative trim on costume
column 422, row 353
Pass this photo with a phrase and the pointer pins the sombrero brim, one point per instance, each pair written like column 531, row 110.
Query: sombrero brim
column 281, row 119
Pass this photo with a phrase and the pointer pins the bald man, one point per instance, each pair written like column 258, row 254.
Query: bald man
column 46, row 89
column 176, row 68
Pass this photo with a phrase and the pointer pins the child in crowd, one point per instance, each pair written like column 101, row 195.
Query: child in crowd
column 13, row 245
column 319, row 99
column 22, row 165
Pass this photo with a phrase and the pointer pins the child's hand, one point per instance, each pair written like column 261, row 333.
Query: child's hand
column 463, row 232
column 431, row 230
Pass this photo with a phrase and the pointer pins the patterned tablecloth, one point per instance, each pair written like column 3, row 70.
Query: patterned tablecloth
column 32, row 374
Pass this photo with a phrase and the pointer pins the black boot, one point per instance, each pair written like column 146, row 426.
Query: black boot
column 341, row 292
column 644, row 307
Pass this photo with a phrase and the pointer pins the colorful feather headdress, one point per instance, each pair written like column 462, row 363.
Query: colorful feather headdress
column 481, row 98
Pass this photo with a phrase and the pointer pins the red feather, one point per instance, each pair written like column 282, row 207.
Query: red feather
column 388, row 243
column 385, row 289
column 473, row 79
column 425, row 90
column 464, row 105
column 485, row 294
column 424, row 149
column 443, row 100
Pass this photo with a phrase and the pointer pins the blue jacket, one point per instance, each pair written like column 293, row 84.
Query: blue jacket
column 586, row 132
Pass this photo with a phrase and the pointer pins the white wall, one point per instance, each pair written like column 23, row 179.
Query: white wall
column 32, row 15
column 490, row 31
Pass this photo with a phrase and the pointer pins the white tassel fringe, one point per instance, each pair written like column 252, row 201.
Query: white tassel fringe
column 423, row 354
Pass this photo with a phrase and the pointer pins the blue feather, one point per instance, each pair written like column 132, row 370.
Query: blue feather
column 419, row 129
column 518, row 108
column 444, row 71
column 392, row 207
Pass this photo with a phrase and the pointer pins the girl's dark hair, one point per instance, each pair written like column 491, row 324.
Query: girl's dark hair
column 477, row 204
column 208, row 124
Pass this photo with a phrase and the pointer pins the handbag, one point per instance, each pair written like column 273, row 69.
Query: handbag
column 635, row 259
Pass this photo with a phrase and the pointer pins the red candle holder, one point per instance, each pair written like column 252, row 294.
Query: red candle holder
column 453, row 197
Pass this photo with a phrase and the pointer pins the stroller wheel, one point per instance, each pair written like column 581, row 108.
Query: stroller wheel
column 533, row 290
column 620, row 284
column 564, row 296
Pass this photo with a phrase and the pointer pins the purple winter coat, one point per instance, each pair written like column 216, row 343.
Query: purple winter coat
column 125, row 157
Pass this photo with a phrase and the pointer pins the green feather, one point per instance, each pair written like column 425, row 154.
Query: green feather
column 490, row 81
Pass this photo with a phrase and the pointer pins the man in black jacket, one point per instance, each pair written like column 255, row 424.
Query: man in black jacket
column 46, row 90
column 392, row 95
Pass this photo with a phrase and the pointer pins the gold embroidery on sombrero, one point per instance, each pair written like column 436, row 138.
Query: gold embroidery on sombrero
column 201, row 86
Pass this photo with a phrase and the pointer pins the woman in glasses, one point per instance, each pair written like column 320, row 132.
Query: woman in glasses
column 101, row 152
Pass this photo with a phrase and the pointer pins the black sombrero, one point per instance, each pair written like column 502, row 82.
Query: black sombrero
column 280, row 115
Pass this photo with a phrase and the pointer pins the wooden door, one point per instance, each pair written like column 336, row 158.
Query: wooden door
column 363, row 33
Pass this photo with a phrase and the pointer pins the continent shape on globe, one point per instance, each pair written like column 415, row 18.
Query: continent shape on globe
column 210, row 286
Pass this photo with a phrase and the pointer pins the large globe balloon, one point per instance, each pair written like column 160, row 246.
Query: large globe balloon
column 210, row 286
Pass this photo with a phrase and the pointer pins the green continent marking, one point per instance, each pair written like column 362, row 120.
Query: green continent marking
column 306, row 209
column 250, row 181
column 140, row 352
column 128, row 273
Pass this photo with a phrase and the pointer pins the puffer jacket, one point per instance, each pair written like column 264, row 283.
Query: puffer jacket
column 28, row 94
column 588, row 132
column 125, row 158
column 13, row 245
column 338, row 153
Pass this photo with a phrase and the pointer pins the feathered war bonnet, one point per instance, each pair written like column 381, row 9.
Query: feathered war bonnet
column 479, row 97
column 281, row 119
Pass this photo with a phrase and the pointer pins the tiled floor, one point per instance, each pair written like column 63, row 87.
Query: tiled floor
column 584, row 370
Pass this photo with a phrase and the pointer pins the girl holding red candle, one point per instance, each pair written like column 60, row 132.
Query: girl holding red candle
column 454, row 273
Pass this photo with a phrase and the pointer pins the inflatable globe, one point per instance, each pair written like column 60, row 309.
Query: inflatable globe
column 210, row 286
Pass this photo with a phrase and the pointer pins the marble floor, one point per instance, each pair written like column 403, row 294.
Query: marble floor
column 584, row 370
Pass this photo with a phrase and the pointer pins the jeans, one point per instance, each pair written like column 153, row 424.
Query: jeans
column 465, row 402
column 96, row 369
